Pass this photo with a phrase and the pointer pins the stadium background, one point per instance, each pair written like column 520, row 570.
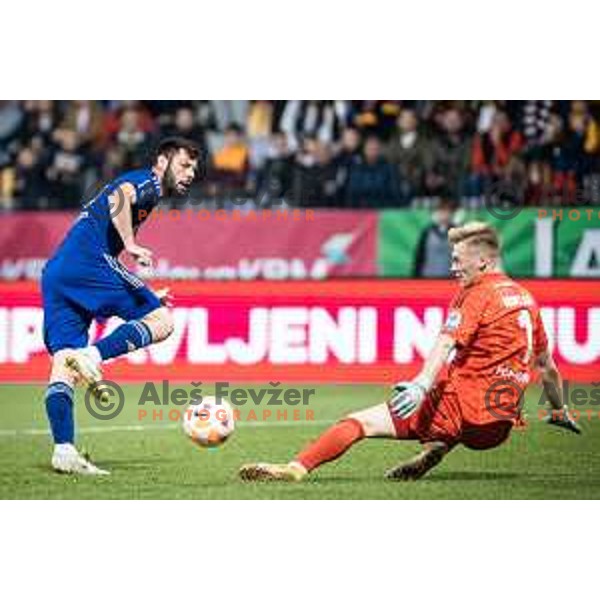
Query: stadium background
column 317, row 237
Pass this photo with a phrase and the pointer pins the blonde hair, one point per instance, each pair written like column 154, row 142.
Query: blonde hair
column 476, row 233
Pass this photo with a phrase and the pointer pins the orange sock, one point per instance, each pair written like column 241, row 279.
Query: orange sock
column 332, row 444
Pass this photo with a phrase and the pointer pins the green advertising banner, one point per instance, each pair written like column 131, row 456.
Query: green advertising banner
column 536, row 242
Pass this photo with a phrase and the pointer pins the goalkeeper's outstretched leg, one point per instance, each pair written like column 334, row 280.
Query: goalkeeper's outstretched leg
column 373, row 422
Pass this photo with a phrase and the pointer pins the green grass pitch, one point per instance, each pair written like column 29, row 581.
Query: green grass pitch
column 155, row 460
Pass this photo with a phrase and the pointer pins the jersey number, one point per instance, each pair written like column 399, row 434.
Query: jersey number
column 525, row 323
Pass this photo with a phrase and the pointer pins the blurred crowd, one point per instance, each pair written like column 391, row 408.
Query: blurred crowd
column 347, row 153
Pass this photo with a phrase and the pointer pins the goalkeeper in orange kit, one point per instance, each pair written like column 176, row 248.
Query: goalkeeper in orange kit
column 493, row 340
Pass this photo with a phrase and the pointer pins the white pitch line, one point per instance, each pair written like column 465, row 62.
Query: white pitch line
column 117, row 428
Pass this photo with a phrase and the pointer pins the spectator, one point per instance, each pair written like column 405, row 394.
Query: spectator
column 492, row 152
column 527, row 143
column 348, row 152
column 372, row 180
column 448, row 156
column 258, row 130
column 64, row 171
column 260, row 119
column 582, row 140
column 407, row 152
column 30, row 183
column 186, row 125
column 113, row 120
column 275, row 179
column 315, row 176
column 132, row 138
column 11, row 118
column 231, row 162
column 40, row 122
column 539, row 186
column 556, row 162
column 432, row 258
column 86, row 118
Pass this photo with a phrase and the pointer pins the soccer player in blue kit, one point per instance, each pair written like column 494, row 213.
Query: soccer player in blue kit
column 84, row 280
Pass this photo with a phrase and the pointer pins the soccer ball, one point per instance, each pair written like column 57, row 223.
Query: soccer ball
column 209, row 423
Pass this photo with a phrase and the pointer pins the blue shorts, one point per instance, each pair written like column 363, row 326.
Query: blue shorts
column 76, row 291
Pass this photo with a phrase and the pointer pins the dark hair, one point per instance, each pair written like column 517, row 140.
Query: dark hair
column 170, row 145
column 446, row 198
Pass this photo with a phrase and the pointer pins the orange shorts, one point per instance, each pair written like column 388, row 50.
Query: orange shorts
column 440, row 419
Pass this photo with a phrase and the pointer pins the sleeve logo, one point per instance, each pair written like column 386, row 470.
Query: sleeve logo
column 453, row 320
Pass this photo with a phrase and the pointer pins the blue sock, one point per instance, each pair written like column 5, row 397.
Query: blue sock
column 59, row 406
column 124, row 339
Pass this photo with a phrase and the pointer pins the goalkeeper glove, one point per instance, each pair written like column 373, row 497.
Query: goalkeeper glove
column 406, row 398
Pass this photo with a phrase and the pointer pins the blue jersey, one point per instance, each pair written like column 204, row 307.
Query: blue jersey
column 94, row 233
column 84, row 280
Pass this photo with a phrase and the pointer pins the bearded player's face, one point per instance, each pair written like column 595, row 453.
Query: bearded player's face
column 180, row 173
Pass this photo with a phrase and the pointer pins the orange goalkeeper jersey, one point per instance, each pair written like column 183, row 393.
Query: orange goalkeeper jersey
column 498, row 331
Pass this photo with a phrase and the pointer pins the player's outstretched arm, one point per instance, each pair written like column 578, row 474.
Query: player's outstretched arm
column 553, row 386
column 120, row 202
column 407, row 397
column 551, row 379
column 436, row 361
